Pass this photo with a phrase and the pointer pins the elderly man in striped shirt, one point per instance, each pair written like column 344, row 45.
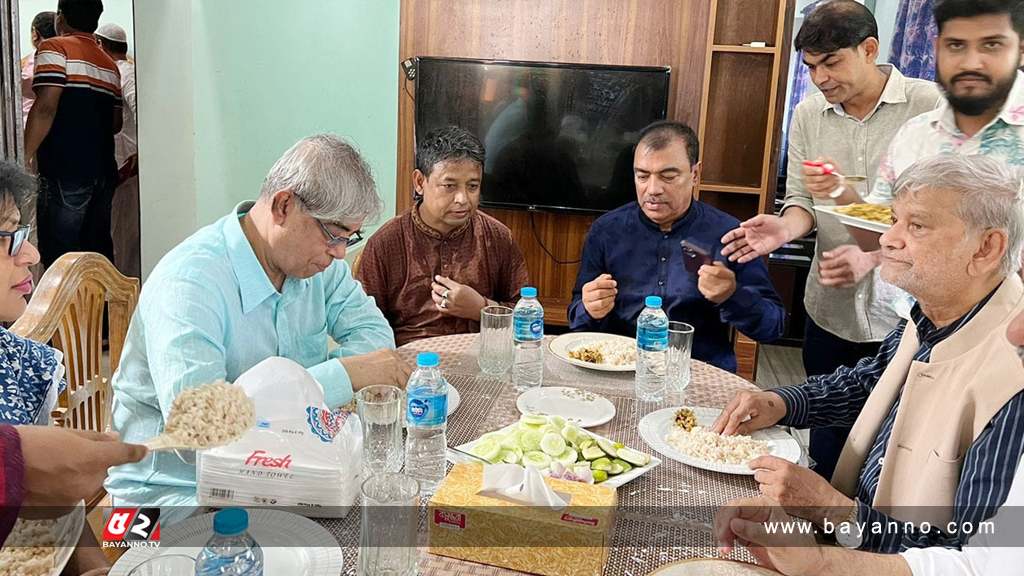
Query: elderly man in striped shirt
column 937, row 413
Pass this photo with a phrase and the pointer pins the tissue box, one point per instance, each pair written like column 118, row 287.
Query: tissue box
column 573, row 541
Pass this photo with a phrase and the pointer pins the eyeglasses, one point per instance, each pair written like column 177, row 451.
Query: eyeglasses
column 18, row 238
column 334, row 241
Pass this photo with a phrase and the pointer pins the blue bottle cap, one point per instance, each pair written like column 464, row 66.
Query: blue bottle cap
column 427, row 360
column 528, row 292
column 230, row 521
column 653, row 301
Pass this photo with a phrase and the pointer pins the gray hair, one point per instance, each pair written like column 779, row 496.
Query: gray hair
column 329, row 176
column 991, row 195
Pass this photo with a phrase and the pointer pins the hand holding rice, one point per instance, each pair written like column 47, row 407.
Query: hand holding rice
column 210, row 415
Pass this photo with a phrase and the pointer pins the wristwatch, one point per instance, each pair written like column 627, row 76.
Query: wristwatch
column 848, row 533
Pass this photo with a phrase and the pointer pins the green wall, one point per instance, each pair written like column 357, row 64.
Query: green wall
column 226, row 86
column 280, row 70
column 116, row 11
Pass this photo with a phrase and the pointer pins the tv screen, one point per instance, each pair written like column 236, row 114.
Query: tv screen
column 559, row 137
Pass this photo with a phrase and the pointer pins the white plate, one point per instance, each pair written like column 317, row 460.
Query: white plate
column 454, row 399
column 712, row 567
column 291, row 544
column 655, row 427
column 560, row 346
column 611, row 482
column 861, row 223
column 68, row 531
column 585, row 408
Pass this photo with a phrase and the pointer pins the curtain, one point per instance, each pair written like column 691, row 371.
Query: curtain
column 913, row 43
column 10, row 82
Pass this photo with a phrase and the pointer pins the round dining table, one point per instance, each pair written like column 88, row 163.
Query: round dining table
column 662, row 517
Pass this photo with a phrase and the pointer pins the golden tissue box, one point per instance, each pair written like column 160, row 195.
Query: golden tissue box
column 573, row 541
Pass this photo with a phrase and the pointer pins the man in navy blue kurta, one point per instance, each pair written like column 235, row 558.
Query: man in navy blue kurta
column 634, row 251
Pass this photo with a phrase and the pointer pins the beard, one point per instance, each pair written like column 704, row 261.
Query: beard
column 976, row 105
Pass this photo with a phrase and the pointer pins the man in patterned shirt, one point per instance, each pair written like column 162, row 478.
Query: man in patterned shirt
column 936, row 413
column 978, row 57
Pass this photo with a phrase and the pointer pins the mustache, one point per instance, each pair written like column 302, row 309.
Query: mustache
column 651, row 199
column 971, row 76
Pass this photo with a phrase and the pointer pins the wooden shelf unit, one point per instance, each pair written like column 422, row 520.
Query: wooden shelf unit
column 744, row 92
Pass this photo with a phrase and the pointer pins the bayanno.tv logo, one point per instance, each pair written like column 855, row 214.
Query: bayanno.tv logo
column 131, row 527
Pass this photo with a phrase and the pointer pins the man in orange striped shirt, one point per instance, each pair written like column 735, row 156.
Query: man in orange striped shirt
column 69, row 137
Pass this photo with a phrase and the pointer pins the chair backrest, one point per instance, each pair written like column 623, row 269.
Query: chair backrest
column 67, row 312
column 356, row 265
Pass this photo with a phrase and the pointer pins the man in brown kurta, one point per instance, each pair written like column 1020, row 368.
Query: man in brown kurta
column 432, row 269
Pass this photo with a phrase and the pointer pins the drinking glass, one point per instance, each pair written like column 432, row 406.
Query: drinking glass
column 495, row 354
column 390, row 516
column 166, row 565
column 680, row 345
column 380, row 412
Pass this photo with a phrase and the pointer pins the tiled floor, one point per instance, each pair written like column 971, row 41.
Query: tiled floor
column 779, row 366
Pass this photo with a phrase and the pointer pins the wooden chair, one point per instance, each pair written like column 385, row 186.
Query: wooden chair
column 67, row 312
column 357, row 264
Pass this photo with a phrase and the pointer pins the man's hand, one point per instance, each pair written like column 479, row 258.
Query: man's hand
column 801, row 491
column 822, row 185
column 382, row 366
column 759, row 236
column 717, row 283
column 845, row 266
column 454, row 299
column 599, row 296
column 129, row 169
column 743, row 520
column 749, row 411
column 63, row 466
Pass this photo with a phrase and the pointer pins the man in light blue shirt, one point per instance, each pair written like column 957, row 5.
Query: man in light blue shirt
column 266, row 280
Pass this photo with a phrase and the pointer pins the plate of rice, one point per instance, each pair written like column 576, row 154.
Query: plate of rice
column 596, row 351
column 684, row 434
column 42, row 547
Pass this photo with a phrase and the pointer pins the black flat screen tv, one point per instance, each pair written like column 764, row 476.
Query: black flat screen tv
column 559, row 137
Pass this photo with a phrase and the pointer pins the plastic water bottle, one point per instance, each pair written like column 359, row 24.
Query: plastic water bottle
column 528, row 332
column 651, row 343
column 231, row 551
column 426, row 422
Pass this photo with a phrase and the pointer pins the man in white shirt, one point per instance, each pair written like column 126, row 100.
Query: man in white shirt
column 849, row 123
column 125, row 213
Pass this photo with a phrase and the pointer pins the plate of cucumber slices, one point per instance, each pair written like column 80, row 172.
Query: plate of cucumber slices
column 554, row 445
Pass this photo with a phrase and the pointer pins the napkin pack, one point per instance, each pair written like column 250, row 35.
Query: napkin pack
column 300, row 455
column 514, row 517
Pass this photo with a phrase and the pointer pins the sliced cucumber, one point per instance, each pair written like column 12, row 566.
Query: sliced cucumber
column 634, row 457
column 626, row 467
column 618, row 445
column 592, row 453
column 487, row 448
column 509, row 457
column 529, row 441
column 584, row 444
column 608, row 447
column 600, row 475
column 584, row 435
column 556, row 421
column 549, row 429
column 552, row 444
column 580, row 466
column 616, row 469
column 570, row 433
column 537, row 459
column 534, row 419
column 567, row 458
column 601, row 464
